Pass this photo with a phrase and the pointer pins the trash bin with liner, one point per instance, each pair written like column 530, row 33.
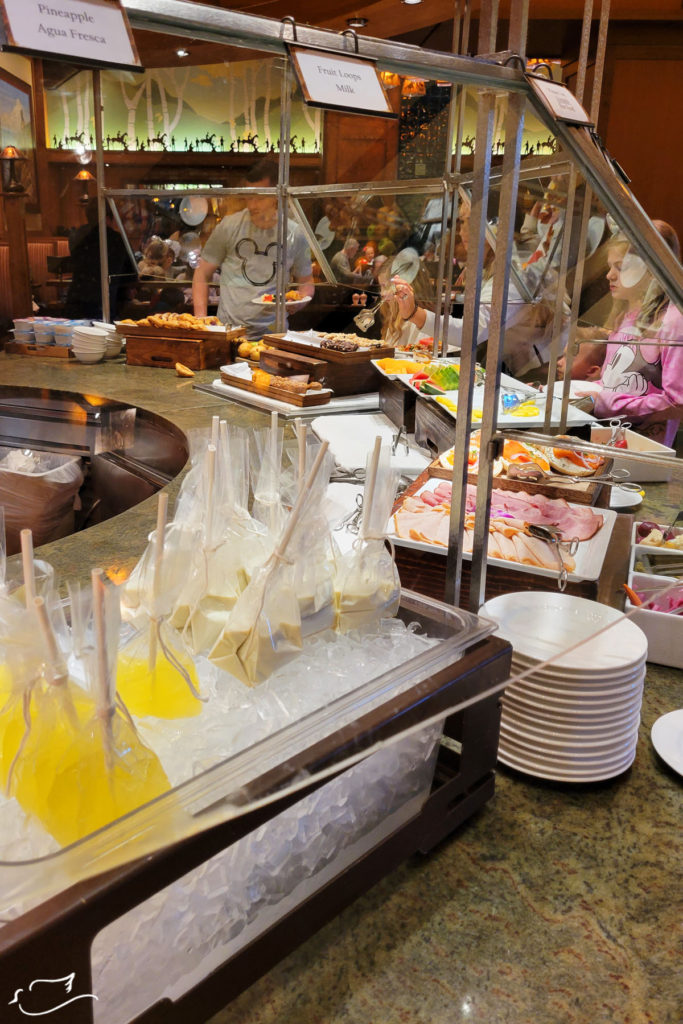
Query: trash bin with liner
column 38, row 491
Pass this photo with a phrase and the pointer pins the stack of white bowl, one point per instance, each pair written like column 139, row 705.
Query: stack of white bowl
column 89, row 344
column 575, row 719
column 114, row 339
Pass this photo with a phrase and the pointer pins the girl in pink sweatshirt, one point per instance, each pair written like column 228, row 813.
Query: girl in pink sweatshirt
column 643, row 382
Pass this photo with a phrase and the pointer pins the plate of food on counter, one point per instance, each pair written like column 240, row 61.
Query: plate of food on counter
column 422, row 520
column 295, row 390
column 554, row 471
column 292, row 298
column 330, row 344
column 652, row 537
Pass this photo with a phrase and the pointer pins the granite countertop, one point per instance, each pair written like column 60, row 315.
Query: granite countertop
column 556, row 904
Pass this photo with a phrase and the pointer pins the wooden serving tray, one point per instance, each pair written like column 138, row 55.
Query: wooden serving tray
column 290, row 397
column 588, row 492
column 329, row 354
column 24, row 348
column 347, row 373
column 286, row 364
column 426, row 572
column 177, row 333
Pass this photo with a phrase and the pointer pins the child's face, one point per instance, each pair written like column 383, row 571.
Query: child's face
column 620, row 287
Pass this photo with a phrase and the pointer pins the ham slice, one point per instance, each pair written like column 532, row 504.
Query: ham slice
column 425, row 518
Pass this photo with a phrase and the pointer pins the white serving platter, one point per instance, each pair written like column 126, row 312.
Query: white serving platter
column 589, row 557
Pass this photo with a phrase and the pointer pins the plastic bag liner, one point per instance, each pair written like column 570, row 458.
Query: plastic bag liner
column 368, row 585
column 38, row 490
column 232, row 547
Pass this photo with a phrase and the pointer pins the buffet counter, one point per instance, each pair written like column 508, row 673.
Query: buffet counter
column 552, row 904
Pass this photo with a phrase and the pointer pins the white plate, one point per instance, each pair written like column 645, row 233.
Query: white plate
column 193, row 210
column 620, row 498
column 568, row 723
column 667, row 739
column 562, row 620
column 586, row 714
column 571, row 740
column 622, row 692
column 586, row 675
column 557, row 774
column 568, row 760
column 288, row 305
column 588, row 559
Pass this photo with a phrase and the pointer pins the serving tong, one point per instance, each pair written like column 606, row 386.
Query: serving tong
column 552, row 536
column 618, row 476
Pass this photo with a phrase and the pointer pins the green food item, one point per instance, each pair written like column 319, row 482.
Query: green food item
column 447, row 377
column 429, row 388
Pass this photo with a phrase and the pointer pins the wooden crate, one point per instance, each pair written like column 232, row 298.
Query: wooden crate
column 289, row 364
column 20, row 348
column 347, row 373
column 398, row 402
column 164, row 352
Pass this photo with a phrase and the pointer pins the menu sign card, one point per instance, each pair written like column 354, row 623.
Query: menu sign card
column 561, row 103
column 342, row 82
column 93, row 32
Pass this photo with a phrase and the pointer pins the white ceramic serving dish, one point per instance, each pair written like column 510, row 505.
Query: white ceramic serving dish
column 640, row 471
column 588, row 558
column 664, row 631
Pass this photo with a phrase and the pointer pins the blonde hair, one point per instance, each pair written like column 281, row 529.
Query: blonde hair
column 156, row 250
column 392, row 321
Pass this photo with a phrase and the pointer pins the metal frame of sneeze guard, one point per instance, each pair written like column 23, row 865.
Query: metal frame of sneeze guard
column 490, row 74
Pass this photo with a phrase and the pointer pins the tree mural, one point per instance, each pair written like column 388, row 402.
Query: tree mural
column 236, row 105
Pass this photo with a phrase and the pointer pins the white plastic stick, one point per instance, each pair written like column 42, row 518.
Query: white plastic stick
column 26, row 538
column 210, row 486
column 369, row 491
column 296, row 511
column 54, row 655
column 215, row 421
column 301, row 429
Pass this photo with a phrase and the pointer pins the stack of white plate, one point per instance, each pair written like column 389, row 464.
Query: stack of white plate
column 576, row 719
column 89, row 344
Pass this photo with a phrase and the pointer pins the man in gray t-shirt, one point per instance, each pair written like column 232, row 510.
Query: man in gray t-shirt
column 244, row 247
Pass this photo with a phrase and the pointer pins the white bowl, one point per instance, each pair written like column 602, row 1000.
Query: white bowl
column 90, row 332
column 113, row 349
column 89, row 357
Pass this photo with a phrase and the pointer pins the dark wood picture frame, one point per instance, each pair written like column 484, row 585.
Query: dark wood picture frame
column 15, row 90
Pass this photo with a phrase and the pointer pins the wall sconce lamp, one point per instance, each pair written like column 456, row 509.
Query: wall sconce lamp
column 85, row 177
column 357, row 22
column 8, row 160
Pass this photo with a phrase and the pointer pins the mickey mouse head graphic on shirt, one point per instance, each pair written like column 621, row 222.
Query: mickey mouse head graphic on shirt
column 261, row 263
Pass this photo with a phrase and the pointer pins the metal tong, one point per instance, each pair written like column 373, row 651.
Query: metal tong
column 351, row 521
column 553, row 536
